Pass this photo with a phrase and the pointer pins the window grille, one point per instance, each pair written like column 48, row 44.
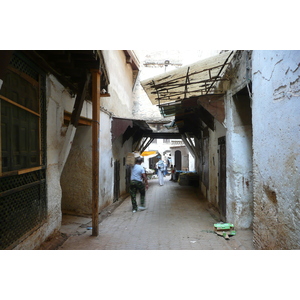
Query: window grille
column 23, row 201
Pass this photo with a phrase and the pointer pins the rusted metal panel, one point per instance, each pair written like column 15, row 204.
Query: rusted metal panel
column 119, row 126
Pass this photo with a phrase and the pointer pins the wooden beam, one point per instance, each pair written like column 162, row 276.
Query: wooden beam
column 19, row 105
column 144, row 147
column 96, row 77
column 79, row 101
column 82, row 120
column 188, row 145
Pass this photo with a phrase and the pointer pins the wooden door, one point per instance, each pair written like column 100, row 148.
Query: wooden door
column 222, row 178
column 178, row 159
column 116, row 180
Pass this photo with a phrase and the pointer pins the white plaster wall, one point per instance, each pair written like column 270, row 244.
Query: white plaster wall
column 121, row 84
column 276, row 144
column 106, row 175
column 191, row 163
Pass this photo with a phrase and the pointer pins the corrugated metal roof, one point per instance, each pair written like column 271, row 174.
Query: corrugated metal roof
column 193, row 80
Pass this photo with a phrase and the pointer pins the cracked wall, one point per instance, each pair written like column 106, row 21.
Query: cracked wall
column 276, row 144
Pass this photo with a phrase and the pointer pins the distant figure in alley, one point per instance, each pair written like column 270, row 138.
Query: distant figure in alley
column 160, row 171
column 138, row 182
column 173, row 172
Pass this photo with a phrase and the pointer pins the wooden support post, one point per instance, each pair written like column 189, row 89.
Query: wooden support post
column 96, row 150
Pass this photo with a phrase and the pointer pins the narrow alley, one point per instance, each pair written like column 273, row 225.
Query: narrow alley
column 176, row 219
column 73, row 123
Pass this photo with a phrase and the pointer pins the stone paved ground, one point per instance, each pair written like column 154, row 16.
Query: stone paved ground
column 176, row 219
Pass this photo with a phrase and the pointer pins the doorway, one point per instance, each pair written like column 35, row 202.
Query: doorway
column 116, row 180
column 222, row 177
column 178, row 159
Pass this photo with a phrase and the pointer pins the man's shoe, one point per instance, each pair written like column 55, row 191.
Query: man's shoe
column 142, row 207
column 134, row 211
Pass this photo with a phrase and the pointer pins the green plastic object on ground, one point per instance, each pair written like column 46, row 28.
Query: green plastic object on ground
column 223, row 226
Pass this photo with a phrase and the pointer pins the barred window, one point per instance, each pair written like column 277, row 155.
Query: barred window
column 20, row 118
column 23, row 194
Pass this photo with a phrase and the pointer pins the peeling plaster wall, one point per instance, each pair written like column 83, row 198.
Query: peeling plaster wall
column 106, row 162
column 276, row 144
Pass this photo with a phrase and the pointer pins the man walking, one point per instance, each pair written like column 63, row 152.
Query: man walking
column 138, row 175
column 160, row 171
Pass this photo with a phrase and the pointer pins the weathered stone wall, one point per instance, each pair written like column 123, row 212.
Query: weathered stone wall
column 276, row 144
column 76, row 178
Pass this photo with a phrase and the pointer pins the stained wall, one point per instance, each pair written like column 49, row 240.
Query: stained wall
column 276, row 144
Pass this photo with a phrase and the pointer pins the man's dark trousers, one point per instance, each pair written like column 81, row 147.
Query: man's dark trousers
column 136, row 186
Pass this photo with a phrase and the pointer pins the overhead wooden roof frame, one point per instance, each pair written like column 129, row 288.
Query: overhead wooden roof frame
column 192, row 80
column 192, row 92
